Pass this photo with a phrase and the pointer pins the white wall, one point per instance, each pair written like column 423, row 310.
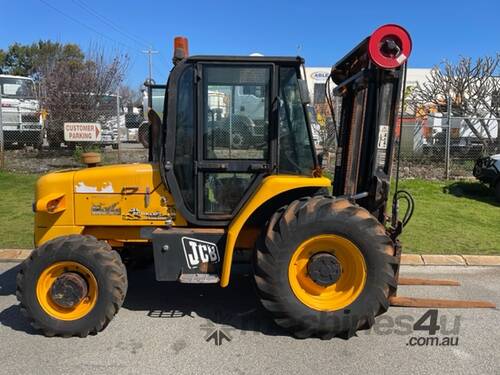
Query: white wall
column 320, row 74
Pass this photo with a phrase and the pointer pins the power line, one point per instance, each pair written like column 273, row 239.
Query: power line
column 128, row 35
column 86, row 26
column 110, row 23
column 163, row 76
column 103, row 35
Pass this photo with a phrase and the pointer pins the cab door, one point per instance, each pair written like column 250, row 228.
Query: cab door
column 234, row 145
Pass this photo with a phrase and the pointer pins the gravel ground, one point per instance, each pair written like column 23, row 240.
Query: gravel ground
column 34, row 161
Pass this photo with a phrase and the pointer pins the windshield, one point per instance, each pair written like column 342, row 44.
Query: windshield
column 16, row 87
column 158, row 100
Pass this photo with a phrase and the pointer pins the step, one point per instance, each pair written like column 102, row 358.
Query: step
column 199, row 278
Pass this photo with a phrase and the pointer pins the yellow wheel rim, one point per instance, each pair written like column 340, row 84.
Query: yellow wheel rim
column 47, row 279
column 349, row 284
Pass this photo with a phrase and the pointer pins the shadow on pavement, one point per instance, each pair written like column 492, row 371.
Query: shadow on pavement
column 235, row 306
column 8, row 280
column 472, row 190
column 11, row 316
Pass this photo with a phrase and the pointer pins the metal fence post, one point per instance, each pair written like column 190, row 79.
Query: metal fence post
column 2, row 154
column 118, row 125
column 448, row 140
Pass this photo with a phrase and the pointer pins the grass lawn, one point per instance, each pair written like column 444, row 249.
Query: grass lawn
column 449, row 218
column 16, row 217
column 452, row 218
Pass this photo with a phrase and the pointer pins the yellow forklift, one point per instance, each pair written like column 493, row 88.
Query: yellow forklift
column 234, row 177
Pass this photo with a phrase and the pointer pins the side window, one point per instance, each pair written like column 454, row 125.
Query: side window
column 236, row 122
column 158, row 100
column 184, row 143
column 295, row 152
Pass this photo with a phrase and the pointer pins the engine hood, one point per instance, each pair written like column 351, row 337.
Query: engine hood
column 117, row 179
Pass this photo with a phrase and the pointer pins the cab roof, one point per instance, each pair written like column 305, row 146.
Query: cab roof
column 292, row 60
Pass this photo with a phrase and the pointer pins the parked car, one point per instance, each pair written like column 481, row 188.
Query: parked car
column 487, row 170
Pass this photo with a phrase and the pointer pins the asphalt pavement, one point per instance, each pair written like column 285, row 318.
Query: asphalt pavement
column 170, row 328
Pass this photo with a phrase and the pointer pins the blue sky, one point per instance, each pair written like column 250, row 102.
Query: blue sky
column 325, row 30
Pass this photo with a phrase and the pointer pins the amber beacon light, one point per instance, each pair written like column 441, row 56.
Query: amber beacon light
column 181, row 50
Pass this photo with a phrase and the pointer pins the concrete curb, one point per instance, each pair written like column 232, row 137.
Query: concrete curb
column 18, row 255
column 449, row 260
column 14, row 255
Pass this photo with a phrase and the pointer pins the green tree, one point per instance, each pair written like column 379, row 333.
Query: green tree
column 18, row 60
column 2, row 60
column 38, row 58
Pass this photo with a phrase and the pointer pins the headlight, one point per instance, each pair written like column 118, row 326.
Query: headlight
column 51, row 204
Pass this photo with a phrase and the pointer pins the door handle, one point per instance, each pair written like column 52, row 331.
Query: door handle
column 212, row 166
column 258, row 167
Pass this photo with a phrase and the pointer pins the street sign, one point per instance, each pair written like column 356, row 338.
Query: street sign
column 82, row 132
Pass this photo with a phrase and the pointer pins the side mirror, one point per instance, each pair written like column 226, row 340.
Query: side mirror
column 154, row 135
column 304, row 92
column 320, row 159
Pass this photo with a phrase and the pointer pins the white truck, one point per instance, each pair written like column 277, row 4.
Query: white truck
column 236, row 114
column 21, row 120
column 463, row 141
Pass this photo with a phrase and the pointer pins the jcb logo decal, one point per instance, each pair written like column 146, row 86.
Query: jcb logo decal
column 197, row 251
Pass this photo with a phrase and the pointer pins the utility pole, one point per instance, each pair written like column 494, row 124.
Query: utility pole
column 150, row 52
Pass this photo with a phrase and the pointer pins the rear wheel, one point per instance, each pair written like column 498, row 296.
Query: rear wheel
column 72, row 285
column 324, row 267
column 497, row 190
column 237, row 140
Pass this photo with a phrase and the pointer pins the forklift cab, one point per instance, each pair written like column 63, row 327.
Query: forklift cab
column 230, row 121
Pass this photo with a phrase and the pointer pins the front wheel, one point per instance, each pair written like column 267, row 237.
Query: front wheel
column 71, row 286
column 324, row 267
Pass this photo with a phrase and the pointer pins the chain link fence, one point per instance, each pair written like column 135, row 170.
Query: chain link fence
column 434, row 146
column 439, row 146
column 33, row 140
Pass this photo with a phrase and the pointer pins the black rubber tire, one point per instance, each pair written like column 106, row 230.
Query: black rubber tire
column 99, row 258
column 497, row 191
column 239, row 141
column 303, row 219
